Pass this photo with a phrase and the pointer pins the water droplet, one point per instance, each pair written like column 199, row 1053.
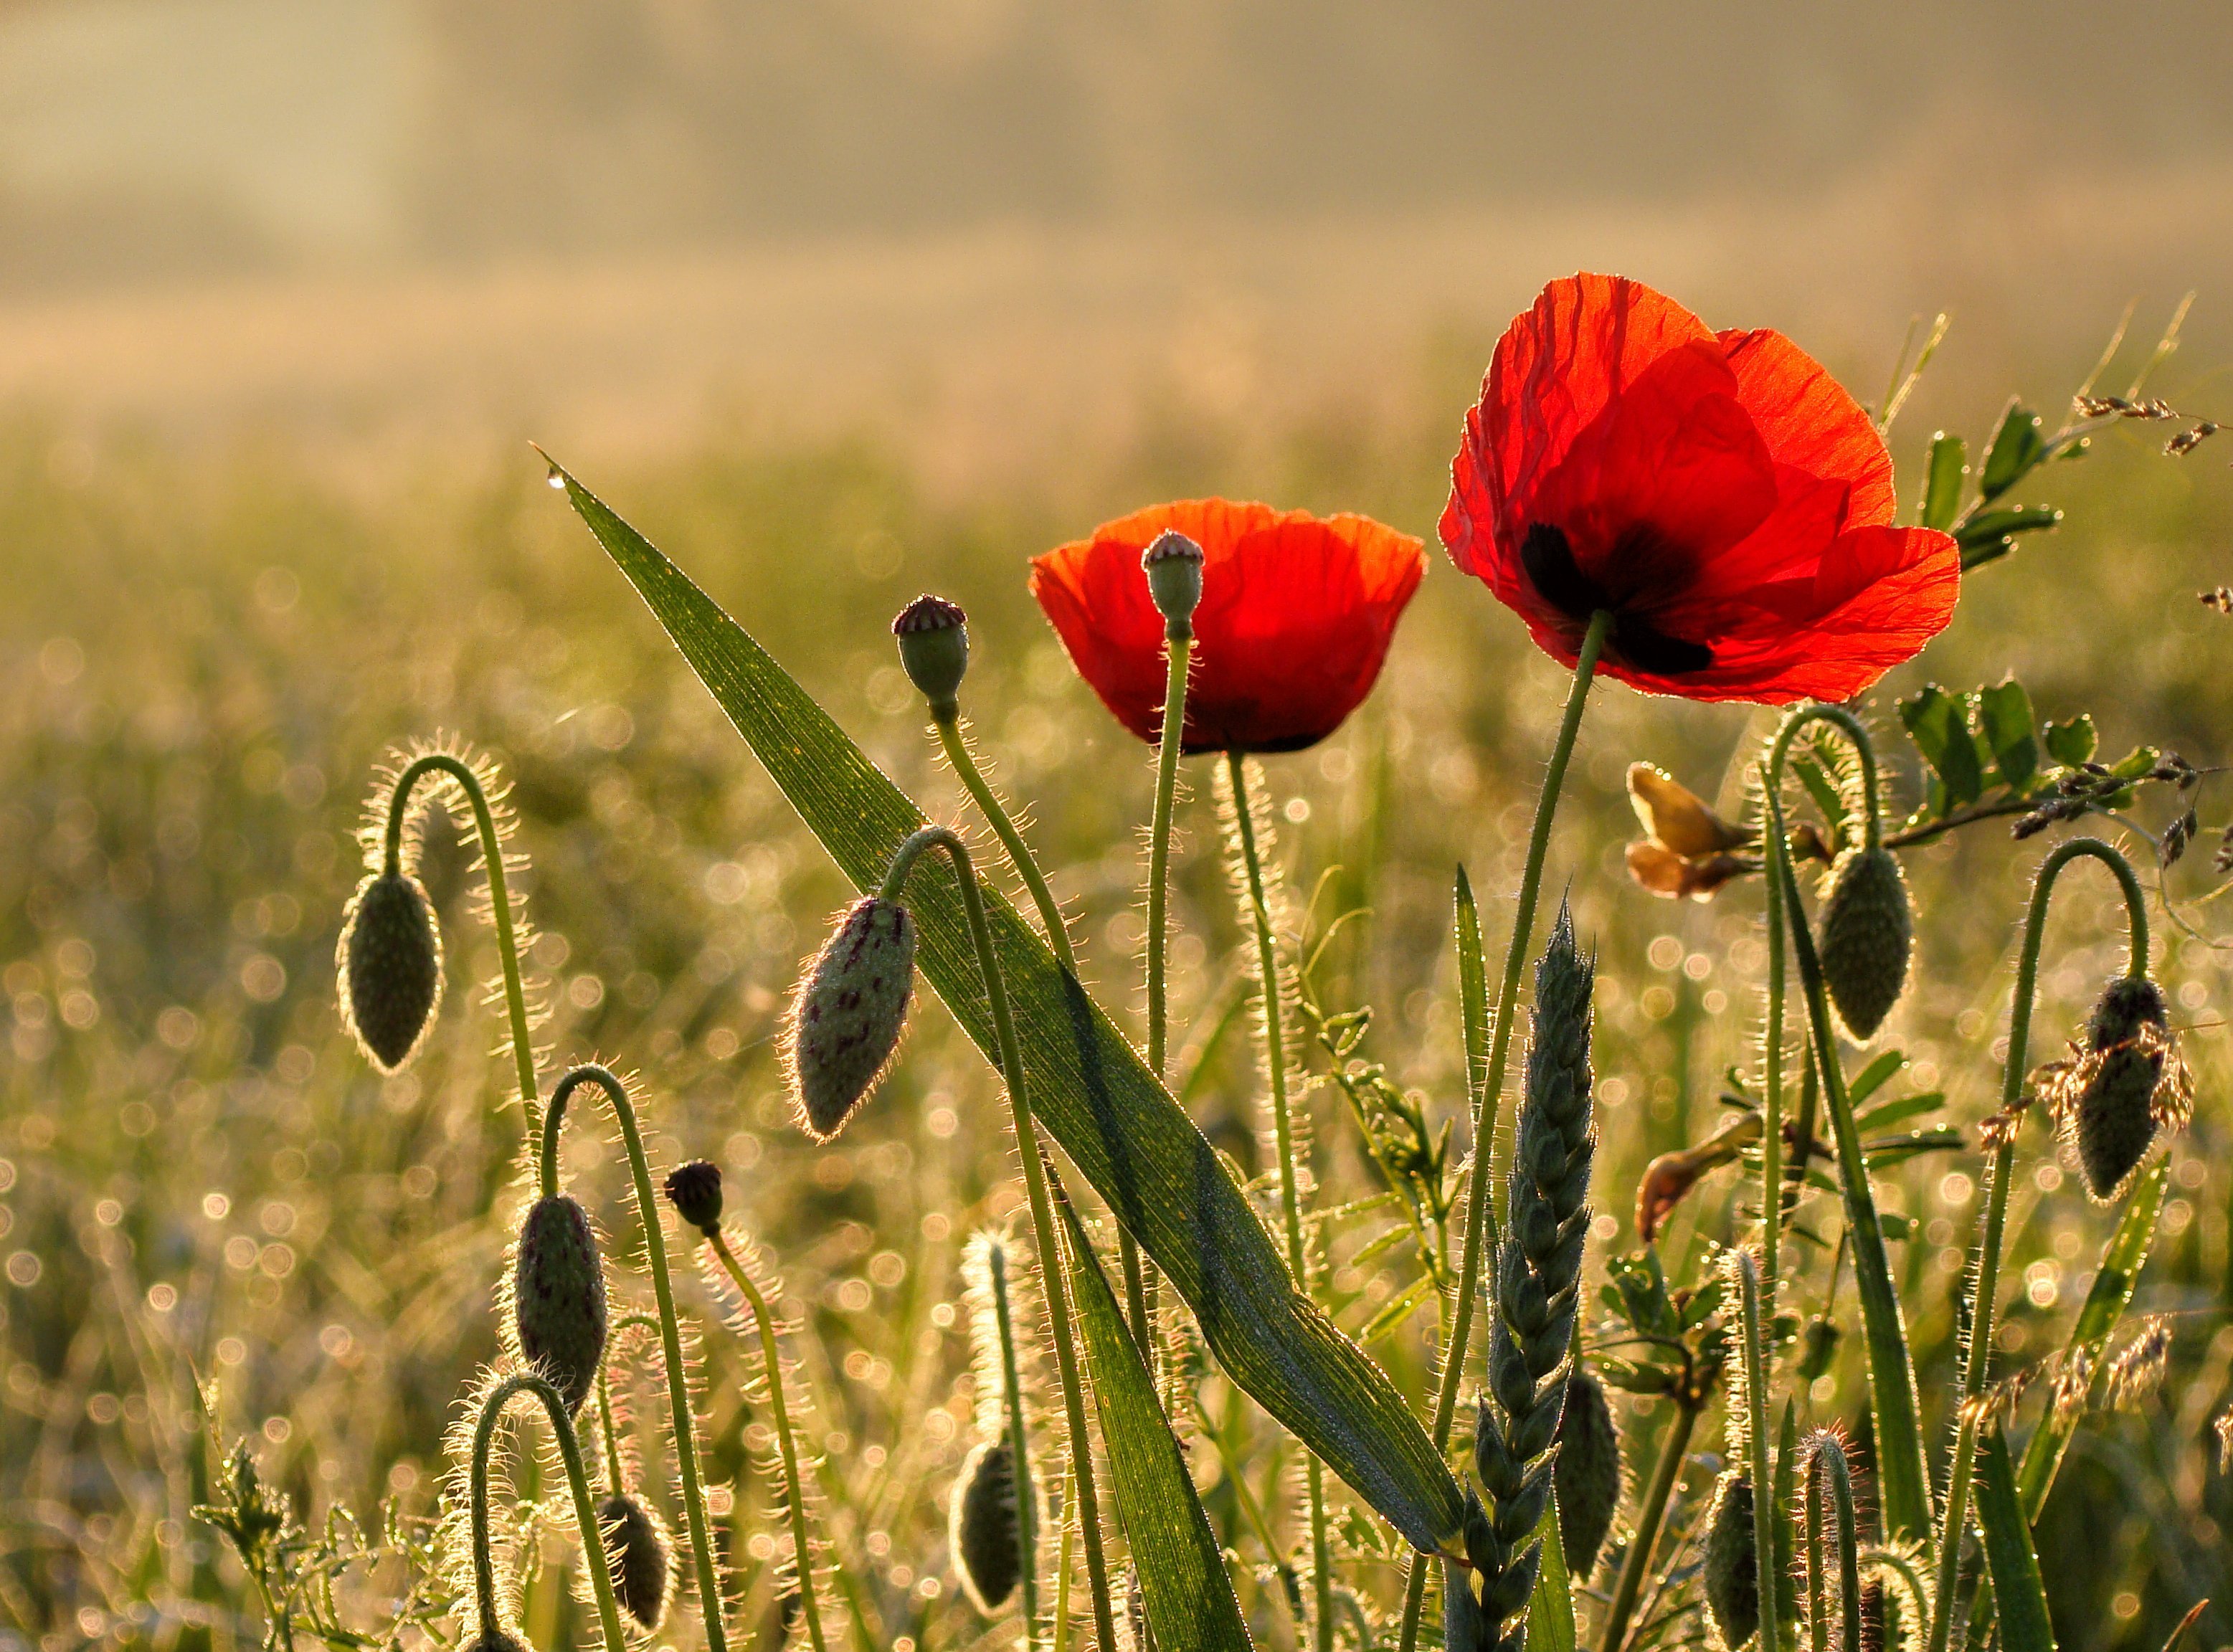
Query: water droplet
column 557, row 478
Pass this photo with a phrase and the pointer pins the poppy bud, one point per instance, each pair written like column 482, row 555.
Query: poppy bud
column 493, row 1639
column 2113, row 1123
column 694, row 1190
column 1587, row 1477
column 1819, row 1348
column 391, row 967
column 934, row 636
column 558, row 1297
column 982, row 1528
column 1173, row 565
column 849, row 1011
column 1732, row 1571
column 1868, row 930
column 641, row 1557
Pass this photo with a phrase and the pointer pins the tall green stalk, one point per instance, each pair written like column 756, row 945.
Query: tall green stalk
column 1985, row 1283
column 1283, row 1134
column 1828, row 1467
column 1745, row 1274
column 1771, row 1110
column 577, row 1484
column 683, row 1416
column 1650, row 1514
column 1489, row 1090
column 1011, row 1407
column 1180, row 650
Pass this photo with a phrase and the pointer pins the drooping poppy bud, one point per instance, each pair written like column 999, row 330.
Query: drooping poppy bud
column 390, row 959
column 694, row 1190
column 1587, row 1477
column 642, row 1559
column 2125, row 1084
column 982, row 1527
column 934, row 638
column 849, row 1013
column 558, row 1296
column 1173, row 565
column 1732, row 1570
column 1868, row 930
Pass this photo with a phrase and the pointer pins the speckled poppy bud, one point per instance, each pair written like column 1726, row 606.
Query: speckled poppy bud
column 934, row 638
column 1732, row 1572
column 1587, row 1477
column 642, row 1559
column 390, row 959
column 1173, row 565
column 849, row 1012
column 1868, row 930
column 694, row 1190
column 558, row 1297
column 2113, row 1122
column 982, row 1528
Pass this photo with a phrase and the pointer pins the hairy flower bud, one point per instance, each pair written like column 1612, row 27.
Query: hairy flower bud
column 642, row 1559
column 1173, row 565
column 849, row 1011
column 982, row 1527
column 2112, row 1117
column 1732, row 1570
column 390, row 959
column 493, row 1639
column 558, row 1297
column 1868, row 930
column 934, row 638
column 694, row 1190
column 1587, row 1478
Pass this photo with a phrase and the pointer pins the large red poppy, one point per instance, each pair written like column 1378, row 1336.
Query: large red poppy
column 1296, row 614
column 1718, row 492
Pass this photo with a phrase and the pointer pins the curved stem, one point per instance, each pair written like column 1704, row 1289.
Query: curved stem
column 1755, row 1357
column 1012, row 1401
column 1479, row 1208
column 507, row 937
column 1857, row 735
column 1283, row 1135
column 771, row 1356
column 577, row 1481
column 683, row 1415
column 1059, row 1324
column 1985, row 1283
column 1636, row 1565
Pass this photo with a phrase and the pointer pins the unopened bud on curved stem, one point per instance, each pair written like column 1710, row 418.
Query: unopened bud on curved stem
column 491, row 1633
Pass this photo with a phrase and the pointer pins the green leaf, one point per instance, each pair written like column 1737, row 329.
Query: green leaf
column 1128, row 1138
column 2071, row 742
column 1939, row 725
column 1942, row 493
column 2017, row 449
column 1399, row 1308
column 1184, row 1582
column 1990, row 527
column 2141, row 760
column 1874, row 1077
column 2004, row 713
column 1551, row 1607
column 2017, row 1586
column 1828, row 798
column 1885, row 1115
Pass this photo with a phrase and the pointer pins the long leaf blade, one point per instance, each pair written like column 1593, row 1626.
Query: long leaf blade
column 1550, row 1607
column 2017, row 1586
column 1120, row 1127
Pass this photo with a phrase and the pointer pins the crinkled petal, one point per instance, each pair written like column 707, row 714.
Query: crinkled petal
column 1810, row 423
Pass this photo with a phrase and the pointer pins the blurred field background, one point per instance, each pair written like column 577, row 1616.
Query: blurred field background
column 839, row 302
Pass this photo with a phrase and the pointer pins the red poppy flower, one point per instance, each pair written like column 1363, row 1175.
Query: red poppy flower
column 1296, row 614
column 1718, row 492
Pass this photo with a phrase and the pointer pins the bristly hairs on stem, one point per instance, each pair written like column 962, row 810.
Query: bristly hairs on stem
column 1832, row 1518
column 1279, row 904
column 1004, row 1348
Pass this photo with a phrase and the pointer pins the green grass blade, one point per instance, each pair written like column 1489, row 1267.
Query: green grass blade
column 1551, row 1607
column 1184, row 1582
column 2017, row 1587
column 1118, row 1124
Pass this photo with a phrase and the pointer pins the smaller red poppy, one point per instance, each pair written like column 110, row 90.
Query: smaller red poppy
column 1296, row 615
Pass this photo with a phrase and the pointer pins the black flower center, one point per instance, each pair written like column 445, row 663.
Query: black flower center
column 1559, row 581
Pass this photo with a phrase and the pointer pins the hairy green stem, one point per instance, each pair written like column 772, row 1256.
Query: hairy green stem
column 1985, row 1283
column 1753, row 1329
column 507, row 936
column 1290, row 1193
column 1829, row 1466
column 1179, row 651
column 1059, row 1324
column 794, row 1484
column 1650, row 1514
column 577, row 1483
column 1770, row 1132
column 1487, row 1083
column 678, row 1380
column 1012, row 1405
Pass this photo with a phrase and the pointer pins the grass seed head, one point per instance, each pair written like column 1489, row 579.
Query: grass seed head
column 850, row 1009
column 642, row 1557
column 983, row 1529
column 1868, row 932
column 390, row 959
column 558, row 1296
column 1732, row 1564
column 1587, row 1478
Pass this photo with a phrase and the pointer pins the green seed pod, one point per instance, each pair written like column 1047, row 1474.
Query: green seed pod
column 1868, row 930
column 933, row 638
column 558, row 1297
column 1587, row 1477
column 982, row 1528
column 694, row 1190
column 1173, row 565
column 641, row 1559
column 390, row 959
column 1818, row 1347
column 849, row 1011
column 2113, row 1121
column 1732, row 1570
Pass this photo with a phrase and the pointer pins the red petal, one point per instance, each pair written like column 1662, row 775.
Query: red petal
column 1810, row 423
